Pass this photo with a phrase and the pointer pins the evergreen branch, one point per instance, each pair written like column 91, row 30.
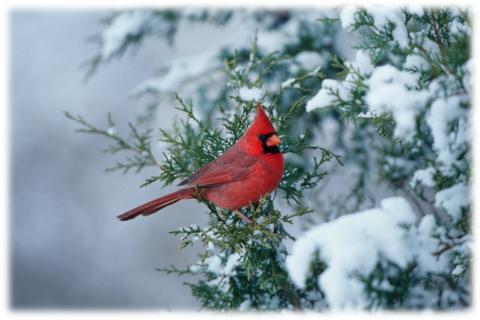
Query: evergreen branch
column 174, row 270
column 439, row 43
column 140, row 147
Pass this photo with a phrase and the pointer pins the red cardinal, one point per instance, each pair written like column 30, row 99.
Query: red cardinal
column 250, row 169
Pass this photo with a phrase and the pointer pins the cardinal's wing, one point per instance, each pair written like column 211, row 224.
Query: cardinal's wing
column 233, row 165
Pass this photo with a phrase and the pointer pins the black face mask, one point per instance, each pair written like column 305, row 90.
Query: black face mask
column 268, row 149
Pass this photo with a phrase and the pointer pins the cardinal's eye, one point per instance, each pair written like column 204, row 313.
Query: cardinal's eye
column 270, row 142
column 264, row 137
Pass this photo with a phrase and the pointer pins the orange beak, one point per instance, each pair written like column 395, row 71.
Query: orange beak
column 273, row 141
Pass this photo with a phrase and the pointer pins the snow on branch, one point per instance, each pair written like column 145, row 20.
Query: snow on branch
column 354, row 245
column 179, row 72
column 128, row 24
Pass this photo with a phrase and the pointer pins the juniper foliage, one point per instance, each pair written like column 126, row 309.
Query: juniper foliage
column 423, row 54
column 430, row 48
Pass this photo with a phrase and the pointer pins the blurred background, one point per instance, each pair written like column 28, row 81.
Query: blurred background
column 67, row 248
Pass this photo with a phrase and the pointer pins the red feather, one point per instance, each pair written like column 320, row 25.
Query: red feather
column 242, row 175
column 157, row 204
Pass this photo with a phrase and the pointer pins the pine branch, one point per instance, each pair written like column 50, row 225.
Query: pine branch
column 139, row 145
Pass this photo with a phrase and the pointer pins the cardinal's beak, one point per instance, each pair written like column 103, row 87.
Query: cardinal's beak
column 273, row 141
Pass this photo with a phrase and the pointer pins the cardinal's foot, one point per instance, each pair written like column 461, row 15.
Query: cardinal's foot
column 244, row 217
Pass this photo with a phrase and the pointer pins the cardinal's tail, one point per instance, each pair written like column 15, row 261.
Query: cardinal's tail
column 157, row 204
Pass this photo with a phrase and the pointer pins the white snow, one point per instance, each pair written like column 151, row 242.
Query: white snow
column 222, row 271
column 442, row 112
column 362, row 63
column 423, row 176
column 211, row 246
column 460, row 137
column 367, row 115
column 214, row 264
column 391, row 90
column 129, row 23
column 453, row 200
column 456, row 27
column 420, row 39
column 400, row 34
column 429, row 45
column 111, row 131
column 327, row 94
column 389, row 74
column 457, row 270
column 398, row 164
column 352, row 245
column 382, row 15
column 425, row 244
column 347, row 16
column 195, row 268
column 416, row 62
column 232, row 261
column 270, row 41
column 468, row 69
column 415, row 9
column 250, row 94
column 287, row 83
column 310, row 60
column 245, row 305
column 179, row 71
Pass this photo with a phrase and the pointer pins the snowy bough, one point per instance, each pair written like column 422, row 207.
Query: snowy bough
column 410, row 81
column 373, row 211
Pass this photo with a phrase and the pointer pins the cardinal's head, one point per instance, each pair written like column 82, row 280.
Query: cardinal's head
column 261, row 136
